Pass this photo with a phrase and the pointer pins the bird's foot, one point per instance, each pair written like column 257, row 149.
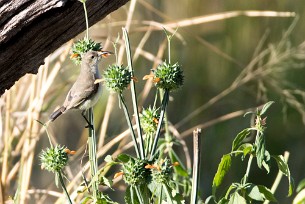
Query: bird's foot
column 89, row 126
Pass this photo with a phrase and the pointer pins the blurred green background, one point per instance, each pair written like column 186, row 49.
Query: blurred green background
column 212, row 55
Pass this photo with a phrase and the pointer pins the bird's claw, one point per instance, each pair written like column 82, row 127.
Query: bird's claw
column 89, row 126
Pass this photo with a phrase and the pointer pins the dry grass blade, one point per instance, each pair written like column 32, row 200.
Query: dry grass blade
column 217, row 17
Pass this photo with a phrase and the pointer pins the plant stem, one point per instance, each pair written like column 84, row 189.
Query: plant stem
column 163, row 109
column 169, row 49
column 133, row 93
column 278, row 178
column 139, row 194
column 196, row 164
column 167, row 135
column 92, row 154
column 61, row 180
column 122, row 101
column 87, row 23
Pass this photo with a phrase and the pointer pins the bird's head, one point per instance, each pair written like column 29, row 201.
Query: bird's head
column 92, row 57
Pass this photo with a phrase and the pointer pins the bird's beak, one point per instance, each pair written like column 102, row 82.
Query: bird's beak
column 104, row 53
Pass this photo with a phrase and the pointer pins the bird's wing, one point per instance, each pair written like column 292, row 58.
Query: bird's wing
column 78, row 94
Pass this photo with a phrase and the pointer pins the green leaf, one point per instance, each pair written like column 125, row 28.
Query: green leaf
column 156, row 189
column 210, row 199
column 266, row 161
column 266, row 107
column 105, row 181
column 283, row 167
column 124, row 158
column 268, row 195
column 223, row 168
column 85, row 200
column 249, row 112
column 254, row 193
column 262, row 155
column 246, row 148
column 235, row 198
column 179, row 169
column 301, row 185
column 300, row 197
column 239, row 138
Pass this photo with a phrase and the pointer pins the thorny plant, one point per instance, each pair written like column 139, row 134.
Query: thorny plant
column 150, row 175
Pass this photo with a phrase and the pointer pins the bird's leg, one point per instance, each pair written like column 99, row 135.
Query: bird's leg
column 89, row 125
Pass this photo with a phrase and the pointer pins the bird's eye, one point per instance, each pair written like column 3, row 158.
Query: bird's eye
column 92, row 57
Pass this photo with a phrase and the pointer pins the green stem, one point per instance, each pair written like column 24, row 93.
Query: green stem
column 167, row 135
column 169, row 49
column 133, row 94
column 163, row 109
column 87, row 23
column 140, row 197
column 123, row 104
column 61, row 180
column 92, row 154
column 278, row 178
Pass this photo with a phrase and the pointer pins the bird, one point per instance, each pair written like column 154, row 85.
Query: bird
column 85, row 92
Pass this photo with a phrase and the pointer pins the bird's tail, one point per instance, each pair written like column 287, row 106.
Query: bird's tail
column 57, row 113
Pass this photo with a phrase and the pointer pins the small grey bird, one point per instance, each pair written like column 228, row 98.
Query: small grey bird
column 85, row 92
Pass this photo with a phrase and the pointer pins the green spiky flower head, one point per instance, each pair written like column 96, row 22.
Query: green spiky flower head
column 54, row 159
column 81, row 47
column 168, row 76
column 162, row 171
column 117, row 78
column 135, row 172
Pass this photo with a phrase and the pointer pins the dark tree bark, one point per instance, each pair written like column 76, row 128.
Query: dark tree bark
column 32, row 29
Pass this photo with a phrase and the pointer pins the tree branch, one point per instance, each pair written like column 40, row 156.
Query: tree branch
column 32, row 29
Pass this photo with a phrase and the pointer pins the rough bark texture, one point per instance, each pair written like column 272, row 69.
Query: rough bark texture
column 32, row 29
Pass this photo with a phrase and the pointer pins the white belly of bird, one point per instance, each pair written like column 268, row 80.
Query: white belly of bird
column 92, row 101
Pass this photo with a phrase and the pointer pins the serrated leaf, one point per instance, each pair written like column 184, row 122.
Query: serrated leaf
column 254, row 193
column 283, row 167
column 223, row 168
column 239, row 138
column 266, row 192
column 106, row 181
column 124, row 158
column 235, row 198
column 301, row 185
column 266, row 107
column 300, row 197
